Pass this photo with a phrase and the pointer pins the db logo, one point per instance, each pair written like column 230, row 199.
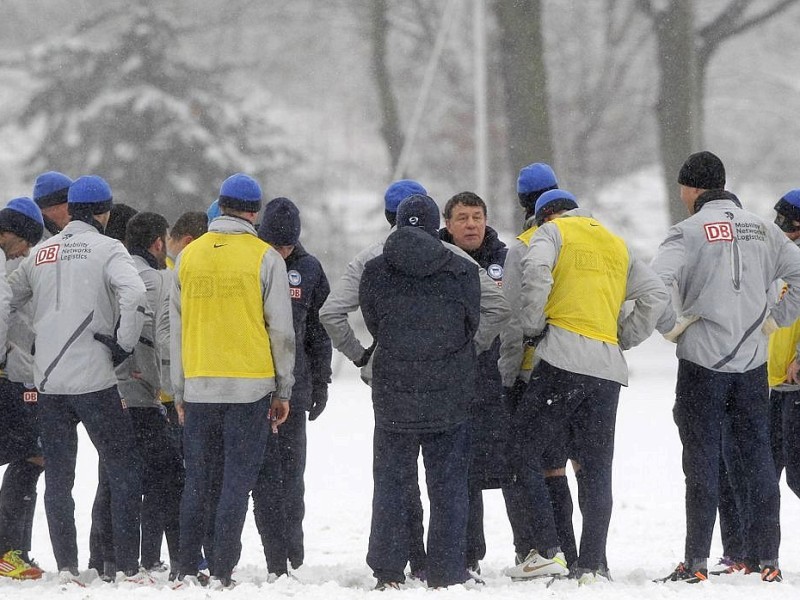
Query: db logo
column 296, row 293
column 30, row 396
column 48, row 254
column 718, row 232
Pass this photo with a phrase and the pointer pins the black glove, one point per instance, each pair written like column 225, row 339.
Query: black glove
column 366, row 356
column 514, row 394
column 118, row 353
column 534, row 341
column 319, row 398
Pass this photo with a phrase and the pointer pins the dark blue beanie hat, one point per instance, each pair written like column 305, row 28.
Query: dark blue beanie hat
column 213, row 211
column 280, row 223
column 22, row 217
column 89, row 193
column 240, row 192
column 420, row 211
column 399, row 191
column 553, row 201
column 788, row 209
column 51, row 188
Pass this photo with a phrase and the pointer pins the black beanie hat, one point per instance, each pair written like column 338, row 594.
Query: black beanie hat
column 280, row 223
column 420, row 211
column 704, row 171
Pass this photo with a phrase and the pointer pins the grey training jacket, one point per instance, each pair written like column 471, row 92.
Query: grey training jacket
column 79, row 282
column 140, row 377
column 723, row 260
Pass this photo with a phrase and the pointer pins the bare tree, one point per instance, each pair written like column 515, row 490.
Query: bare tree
column 683, row 52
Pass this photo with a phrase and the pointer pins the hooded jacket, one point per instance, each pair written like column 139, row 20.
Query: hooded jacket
column 422, row 305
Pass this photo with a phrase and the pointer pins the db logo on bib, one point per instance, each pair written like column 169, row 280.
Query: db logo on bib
column 718, row 232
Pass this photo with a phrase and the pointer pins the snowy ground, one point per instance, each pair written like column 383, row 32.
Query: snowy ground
column 645, row 540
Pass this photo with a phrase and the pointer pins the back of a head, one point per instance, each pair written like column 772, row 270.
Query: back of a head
column 420, row 211
column 23, row 218
column 280, row 223
column 89, row 195
column 534, row 180
column 240, row 192
column 51, row 188
column 396, row 193
column 788, row 211
column 192, row 223
column 118, row 220
column 143, row 229
column 703, row 170
column 552, row 202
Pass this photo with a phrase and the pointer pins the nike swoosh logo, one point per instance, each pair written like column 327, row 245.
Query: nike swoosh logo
column 528, row 569
column 219, row 245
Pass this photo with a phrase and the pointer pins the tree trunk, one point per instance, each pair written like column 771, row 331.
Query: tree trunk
column 390, row 128
column 678, row 109
column 525, row 82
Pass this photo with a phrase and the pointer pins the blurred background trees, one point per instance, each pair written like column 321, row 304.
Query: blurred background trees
column 327, row 102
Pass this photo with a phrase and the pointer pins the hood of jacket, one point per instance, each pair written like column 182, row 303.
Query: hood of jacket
column 414, row 252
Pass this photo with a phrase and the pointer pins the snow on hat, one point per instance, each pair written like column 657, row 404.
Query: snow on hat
column 399, row 191
column 553, row 201
column 704, row 171
column 90, row 192
column 240, row 192
column 51, row 188
column 280, row 223
column 213, row 211
column 788, row 209
column 420, row 211
column 22, row 217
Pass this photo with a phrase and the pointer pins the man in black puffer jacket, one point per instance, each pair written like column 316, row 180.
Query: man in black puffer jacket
column 421, row 303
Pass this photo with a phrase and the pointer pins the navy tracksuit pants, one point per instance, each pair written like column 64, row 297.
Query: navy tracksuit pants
column 446, row 458
column 162, row 484
column 727, row 413
column 109, row 427
column 278, row 498
column 559, row 405
column 234, row 435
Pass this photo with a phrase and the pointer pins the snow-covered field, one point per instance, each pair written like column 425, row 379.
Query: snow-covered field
column 645, row 540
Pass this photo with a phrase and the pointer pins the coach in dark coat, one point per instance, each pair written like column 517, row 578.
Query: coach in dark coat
column 421, row 303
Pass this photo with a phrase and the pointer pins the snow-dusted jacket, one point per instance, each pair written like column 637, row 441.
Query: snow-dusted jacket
column 571, row 351
column 5, row 307
column 723, row 261
column 512, row 346
column 343, row 300
column 140, row 376
column 422, row 305
column 277, row 316
column 80, row 282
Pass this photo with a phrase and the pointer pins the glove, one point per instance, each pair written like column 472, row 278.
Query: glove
column 680, row 326
column 534, row 340
column 118, row 353
column 769, row 326
column 514, row 394
column 319, row 398
column 366, row 356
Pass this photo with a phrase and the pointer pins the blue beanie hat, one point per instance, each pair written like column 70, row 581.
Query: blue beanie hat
column 420, row 211
column 536, row 178
column 90, row 193
column 213, row 211
column 22, row 217
column 240, row 192
column 280, row 223
column 399, row 191
column 51, row 188
column 553, row 201
column 788, row 209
